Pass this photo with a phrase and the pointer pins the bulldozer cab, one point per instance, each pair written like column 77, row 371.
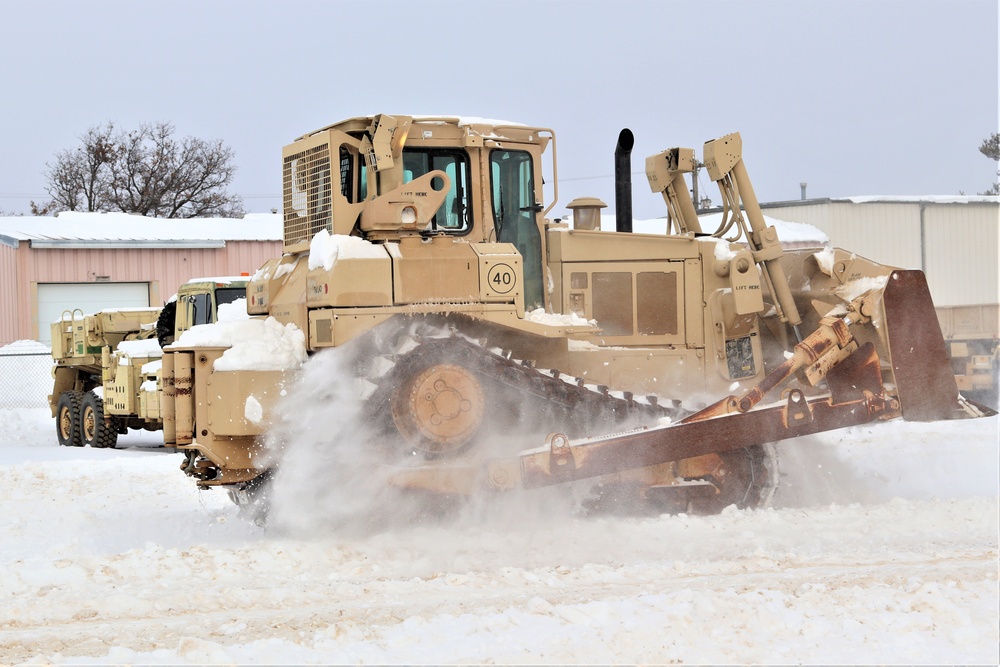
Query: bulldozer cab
column 402, row 176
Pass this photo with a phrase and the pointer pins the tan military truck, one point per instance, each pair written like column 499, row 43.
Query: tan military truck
column 425, row 244
column 972, row 334
column 118, row 351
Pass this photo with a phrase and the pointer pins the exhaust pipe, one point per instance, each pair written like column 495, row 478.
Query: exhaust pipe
column 623, row 181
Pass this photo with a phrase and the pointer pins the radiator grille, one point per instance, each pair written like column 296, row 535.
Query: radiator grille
column 308, row 203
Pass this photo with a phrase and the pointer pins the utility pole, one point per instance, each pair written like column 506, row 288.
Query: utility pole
column 694, row 185
column 698, row 201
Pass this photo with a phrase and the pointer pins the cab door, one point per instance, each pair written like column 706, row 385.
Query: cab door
column 516, row 209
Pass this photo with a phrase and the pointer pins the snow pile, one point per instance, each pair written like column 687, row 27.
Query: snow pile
column 234, row 310
column 254, row 344
column 152, row 367
column 539, row 316
column 25, row 347
column 28, row 427
column 825, row 259
column 326, row 248
column 851, row 290
column 723, row 252
column 148, row 347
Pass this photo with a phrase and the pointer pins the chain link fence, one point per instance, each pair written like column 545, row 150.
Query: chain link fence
column 25, row 376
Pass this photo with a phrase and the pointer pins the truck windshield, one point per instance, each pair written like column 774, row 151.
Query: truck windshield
column 229, row 294
column 201, row 308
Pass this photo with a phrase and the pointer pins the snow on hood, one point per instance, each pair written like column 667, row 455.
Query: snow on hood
column 326, row 248
column 148, row 347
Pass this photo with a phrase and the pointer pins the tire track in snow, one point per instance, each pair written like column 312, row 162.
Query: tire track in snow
column 367, row 607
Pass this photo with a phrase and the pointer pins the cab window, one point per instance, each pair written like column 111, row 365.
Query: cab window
column 229, row 294
column 200, row 308
column 455, row 214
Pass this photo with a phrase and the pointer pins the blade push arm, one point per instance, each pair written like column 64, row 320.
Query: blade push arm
column 724, row 161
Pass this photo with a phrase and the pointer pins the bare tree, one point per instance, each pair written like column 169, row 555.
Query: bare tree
column 78, row 181
column 991, row 149
column 145, row 171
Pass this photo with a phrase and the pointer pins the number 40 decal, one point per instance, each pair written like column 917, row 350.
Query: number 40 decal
column 502, row 278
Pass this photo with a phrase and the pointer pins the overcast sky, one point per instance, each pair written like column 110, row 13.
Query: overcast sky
column 852, row 97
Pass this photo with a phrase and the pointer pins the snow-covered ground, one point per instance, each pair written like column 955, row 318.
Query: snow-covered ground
column 881, row 548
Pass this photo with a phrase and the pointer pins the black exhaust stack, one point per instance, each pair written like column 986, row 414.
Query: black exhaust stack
column 623, row 181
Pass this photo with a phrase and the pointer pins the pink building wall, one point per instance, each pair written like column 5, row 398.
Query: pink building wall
column 8, row 294
column 22, row 269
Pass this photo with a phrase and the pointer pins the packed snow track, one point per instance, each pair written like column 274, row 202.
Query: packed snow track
column 881, row 547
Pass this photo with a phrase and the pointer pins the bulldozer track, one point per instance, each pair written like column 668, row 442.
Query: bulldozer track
column 532, row 402
column 567, row 403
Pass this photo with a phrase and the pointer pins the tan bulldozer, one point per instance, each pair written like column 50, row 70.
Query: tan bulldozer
column 661, row 366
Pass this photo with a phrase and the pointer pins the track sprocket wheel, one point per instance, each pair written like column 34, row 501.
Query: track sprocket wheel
column 439, row 410
column 253, row 498
column 745, row 478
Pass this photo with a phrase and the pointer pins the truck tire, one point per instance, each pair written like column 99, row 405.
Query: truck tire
column 93, row 429
column 68, row 429
column 165, row 324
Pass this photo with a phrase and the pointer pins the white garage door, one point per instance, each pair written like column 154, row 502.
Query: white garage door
column 54, row 298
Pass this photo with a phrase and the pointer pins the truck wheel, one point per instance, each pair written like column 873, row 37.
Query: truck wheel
column 93, row 430
column 68, row 419
column 165, row 324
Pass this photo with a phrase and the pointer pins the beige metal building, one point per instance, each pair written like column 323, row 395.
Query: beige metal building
column 96, row 260
column 953, row 239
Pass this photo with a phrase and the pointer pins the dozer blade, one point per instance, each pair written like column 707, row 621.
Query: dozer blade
column 563, row 460
column 925, row 381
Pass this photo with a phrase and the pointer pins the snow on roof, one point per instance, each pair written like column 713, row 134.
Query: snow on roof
column 917, row 199
column 74, row 226
column 463, row 121
column 788, row 231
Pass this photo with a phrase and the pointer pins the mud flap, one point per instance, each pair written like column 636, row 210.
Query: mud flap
column 925, row 381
